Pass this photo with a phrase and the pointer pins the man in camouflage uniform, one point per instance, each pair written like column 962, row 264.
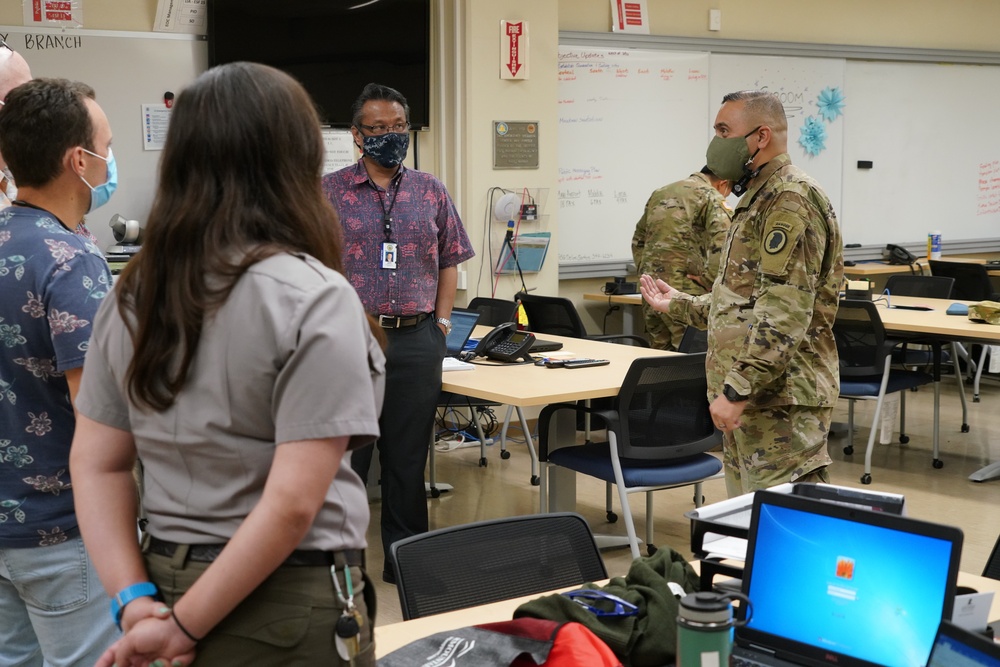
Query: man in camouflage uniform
column 679, row 240
column 772, row 366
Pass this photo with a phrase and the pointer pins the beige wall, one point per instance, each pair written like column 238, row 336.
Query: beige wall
column 135, row 15
column 459, row 149
column 931, row 24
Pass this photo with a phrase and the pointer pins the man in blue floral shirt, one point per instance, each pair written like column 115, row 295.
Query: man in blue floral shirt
column 56, row 141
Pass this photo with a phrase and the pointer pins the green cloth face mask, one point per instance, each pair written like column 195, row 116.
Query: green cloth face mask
column 728, row 157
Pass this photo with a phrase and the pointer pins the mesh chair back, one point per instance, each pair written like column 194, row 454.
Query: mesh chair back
column 477, row 563
column 992, row 569
column 663, row 407
column 972, row 281
column 493, row 312
column 693, row 340
column 928, row 287
column 860, row 339
column 551, row 315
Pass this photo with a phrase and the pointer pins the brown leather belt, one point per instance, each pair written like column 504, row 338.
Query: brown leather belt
column 399, row 322
column 206, row 553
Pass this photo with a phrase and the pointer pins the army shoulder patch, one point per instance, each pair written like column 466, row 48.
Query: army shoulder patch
column 781, row 235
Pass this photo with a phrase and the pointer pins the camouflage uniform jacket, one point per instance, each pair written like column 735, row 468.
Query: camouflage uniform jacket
column 770, row 314
column 682, row 231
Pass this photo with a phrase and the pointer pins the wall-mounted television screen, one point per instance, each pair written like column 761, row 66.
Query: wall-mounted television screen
column 333, row 47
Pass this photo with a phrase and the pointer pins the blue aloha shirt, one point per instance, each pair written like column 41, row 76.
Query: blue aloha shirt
column 51, row 284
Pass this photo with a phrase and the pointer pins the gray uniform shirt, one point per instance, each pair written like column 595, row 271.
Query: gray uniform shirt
column 288, row 357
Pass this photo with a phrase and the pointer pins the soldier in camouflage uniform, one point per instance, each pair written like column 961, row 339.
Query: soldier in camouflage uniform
column 773, row 375
column 679, row 240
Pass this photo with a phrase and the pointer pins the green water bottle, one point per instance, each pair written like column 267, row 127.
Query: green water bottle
column 705, row 629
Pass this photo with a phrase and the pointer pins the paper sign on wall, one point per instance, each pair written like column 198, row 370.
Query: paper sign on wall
column 186, row 16
column 53, row 13
column 629, row 16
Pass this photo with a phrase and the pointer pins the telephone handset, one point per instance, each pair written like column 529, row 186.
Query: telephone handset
column 895, row 254
column 506, row 343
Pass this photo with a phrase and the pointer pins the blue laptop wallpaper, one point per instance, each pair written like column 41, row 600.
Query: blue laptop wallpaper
column 859, row 590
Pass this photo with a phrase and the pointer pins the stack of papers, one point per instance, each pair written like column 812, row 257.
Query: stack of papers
column 453, row 364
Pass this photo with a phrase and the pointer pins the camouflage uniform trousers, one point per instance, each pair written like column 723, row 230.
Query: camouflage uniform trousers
column 783, row 443
column 663, row 332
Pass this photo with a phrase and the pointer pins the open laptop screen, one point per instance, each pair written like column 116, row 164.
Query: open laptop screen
column 955, row 647
column 462, row 324
column 846, row 586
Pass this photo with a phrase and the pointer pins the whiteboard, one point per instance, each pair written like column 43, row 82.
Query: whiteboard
column 126, row 70
column 630, row 121
column 798, row 83
column 931, row 133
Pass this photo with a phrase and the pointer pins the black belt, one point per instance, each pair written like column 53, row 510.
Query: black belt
column 206, row 553
column 399, row 322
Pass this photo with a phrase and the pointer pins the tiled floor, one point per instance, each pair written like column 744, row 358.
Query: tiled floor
column 946, row 495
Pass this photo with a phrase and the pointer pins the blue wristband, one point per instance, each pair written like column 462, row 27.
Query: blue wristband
column 126, row 595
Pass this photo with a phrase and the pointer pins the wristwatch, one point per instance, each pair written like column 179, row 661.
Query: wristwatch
column 446, row 323
column 731, row 394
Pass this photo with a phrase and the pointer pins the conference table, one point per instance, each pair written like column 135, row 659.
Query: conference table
column 526, row 385
column 931, row 324
column 392, row 636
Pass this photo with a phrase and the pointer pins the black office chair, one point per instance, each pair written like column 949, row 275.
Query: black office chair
column 493, row 312
column 992, row 569
column 693, row 340
column 487, row 561
column 972, row 283
column 558, row 316
column 659, row 430
column 930, row 287
column 866, row 372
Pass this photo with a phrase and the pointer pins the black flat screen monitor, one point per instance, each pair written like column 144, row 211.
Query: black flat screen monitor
column 333, row 47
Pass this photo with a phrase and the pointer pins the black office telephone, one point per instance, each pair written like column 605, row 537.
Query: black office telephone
column 506, row 343
column 895, row 254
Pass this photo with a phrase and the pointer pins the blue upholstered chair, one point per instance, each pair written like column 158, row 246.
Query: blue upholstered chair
column 659, row 430
column 866, row 372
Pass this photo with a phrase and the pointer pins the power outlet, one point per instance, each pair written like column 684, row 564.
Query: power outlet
column 463, row 279
column 715, row 20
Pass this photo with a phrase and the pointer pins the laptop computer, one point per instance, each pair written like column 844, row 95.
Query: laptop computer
column 957, row 647
column 832, row 584
column 543, row 345
column 462, row 323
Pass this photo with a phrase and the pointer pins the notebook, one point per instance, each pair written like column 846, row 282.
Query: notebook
column 956, row 647
column 833, row 584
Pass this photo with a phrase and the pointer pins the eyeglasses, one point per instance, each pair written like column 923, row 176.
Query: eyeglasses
column 588, row 597
column 377, row 130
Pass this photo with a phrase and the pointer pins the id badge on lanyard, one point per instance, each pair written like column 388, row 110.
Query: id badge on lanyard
column 389, row 255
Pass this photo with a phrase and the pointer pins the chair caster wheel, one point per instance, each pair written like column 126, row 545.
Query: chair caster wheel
column 612, row 517
column 650, row 549
column 505, row 455
column 975, row 398
column 965, row 428
column 849, row 450
column 535, row 480
column 866, row 478
column 938, row 463
column 435, row 492
column 483, row 462
column 903, row 438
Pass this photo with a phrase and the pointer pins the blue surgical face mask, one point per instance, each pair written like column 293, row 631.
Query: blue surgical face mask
column 100, row 195
column 387, row 149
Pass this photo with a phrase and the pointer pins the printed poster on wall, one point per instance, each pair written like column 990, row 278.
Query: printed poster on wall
column 185, row 16
column 53, row 13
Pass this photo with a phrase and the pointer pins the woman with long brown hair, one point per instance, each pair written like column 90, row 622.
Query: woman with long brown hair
column 238, row 364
